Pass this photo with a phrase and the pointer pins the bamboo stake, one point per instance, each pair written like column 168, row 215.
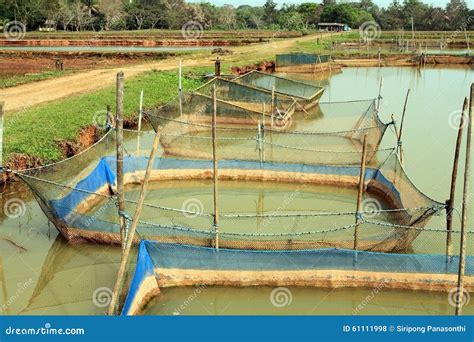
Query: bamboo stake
column 2, row 111
column 465, row 206
column 467, row 42
column 180, row 89
column 454, row 175
column 140, row 115
column 273, row 101
column 214, row 162
column 119, row 142
column 379, row 98
column 360, row 193
column 399, row 147
column 133, row 227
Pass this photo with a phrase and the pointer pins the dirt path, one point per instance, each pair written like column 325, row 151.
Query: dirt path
column 31, row 94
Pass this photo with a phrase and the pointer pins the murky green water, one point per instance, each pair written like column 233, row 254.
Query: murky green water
column 50, row 277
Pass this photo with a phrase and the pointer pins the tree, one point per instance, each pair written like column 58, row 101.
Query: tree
column 270, row 12
column 112, row 11
column 345, row 13
column 66, row 14
column 310, row 13
column 457, row 14
column 227, row 16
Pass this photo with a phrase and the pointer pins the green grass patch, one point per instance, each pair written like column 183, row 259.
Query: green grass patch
column 15, row 80
column 37, row 131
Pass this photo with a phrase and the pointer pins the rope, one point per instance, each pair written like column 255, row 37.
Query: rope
column 392, row 225
column 182, row 228
column 325, row 214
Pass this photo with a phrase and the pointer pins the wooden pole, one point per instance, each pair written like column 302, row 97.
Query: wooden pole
column 379, row 98
column 180, row 77
column 454, row 175
column 214, row 162
column 119, row 142
column 399, row 148
column 465, row 206
column 380, row 61
column 467, row 41
column 360, row 194
column 273, row 101
column 133, row 227
column 2, row 111
column 139, row 129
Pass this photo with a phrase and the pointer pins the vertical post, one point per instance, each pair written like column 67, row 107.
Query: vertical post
column 399, row 147
column 180, row 77
column 413, row 32
column 273, row 101
column 262, row 130
column 214, row 163
column 119, row 142
column 360, row 194
column 2, row 111
column 139, row 129
column 380, row 61
column 379, row 98
column 465, row 206
column 467, row 41
column 133, row 227
column 217, row 67
column 109, row 116
column 454, row 175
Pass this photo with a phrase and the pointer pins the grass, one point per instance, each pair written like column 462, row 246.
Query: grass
column 15, row 80
column 30, row 132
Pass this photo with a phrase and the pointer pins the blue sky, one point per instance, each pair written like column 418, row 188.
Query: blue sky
column 382, row 3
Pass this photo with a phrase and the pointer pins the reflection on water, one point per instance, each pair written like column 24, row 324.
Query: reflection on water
column 40, row 274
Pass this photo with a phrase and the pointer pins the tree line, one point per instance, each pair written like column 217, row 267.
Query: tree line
column 98, row 15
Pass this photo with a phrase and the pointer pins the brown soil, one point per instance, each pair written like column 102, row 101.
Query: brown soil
column 130, row 42
column 21, row 63
column 85, row 138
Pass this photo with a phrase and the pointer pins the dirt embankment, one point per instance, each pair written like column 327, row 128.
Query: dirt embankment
column 131, row 42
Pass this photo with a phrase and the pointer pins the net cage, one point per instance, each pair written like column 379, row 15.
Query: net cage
column 278, row 190
column 302, row 62
column 307, row 95
column 161, row 265
column 255, row 100
column 303, row 138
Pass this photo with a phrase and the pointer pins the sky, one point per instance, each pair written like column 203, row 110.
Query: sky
column 382, row 3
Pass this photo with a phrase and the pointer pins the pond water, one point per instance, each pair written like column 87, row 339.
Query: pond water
column 47, row 276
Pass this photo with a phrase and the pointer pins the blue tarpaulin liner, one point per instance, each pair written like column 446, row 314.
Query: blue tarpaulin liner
column 154, row 256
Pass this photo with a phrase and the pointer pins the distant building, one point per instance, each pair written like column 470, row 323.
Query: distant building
column 49, row 26
column 333, row 27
